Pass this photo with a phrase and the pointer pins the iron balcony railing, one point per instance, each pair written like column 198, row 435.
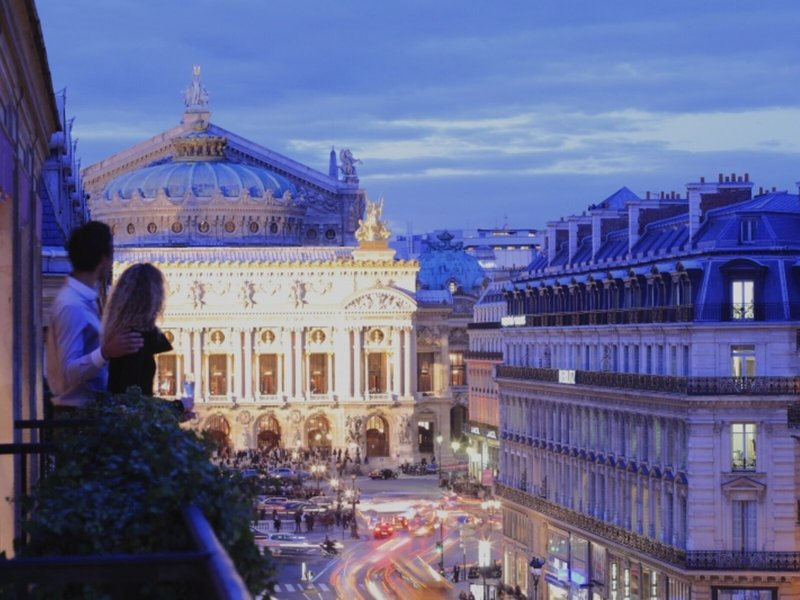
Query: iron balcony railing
column 721, row 560
column 206, row 568
column 692, row 386
column 481, row 355
column 729, row 312
column 697, row 560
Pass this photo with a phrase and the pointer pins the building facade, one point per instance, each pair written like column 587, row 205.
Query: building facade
column 36, row 179
column 650, row 355
column 292, row 323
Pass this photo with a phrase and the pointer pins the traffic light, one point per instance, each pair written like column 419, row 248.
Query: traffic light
column 438, row 547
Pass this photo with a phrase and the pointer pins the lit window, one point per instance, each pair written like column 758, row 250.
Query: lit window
column 742, row 299
column 319, row 373
column 743, row 446
column 425, row 371
column 267, row 369
column 218, row 374
column 166, row 372
column 458, row 370
column 743, row 361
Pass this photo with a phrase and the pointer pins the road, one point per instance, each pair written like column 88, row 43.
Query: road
column 404, row 566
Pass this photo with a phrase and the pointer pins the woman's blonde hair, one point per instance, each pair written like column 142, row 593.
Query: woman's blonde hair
column 136, row 301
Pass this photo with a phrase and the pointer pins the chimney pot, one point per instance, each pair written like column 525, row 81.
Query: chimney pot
column 720, row 177
column 702, row 180
column 733, row 177
column 747, row 177
column 773, row 188
column 647, row 196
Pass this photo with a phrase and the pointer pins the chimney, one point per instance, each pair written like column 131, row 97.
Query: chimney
column 694, row 193
column 597, row 234
column 551, row 242
column 572, row 228
column 633, row 225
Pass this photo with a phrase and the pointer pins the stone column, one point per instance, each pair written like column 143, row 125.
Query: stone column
column 298, row 363
column 285, row 364
column 307, row 378
column 407, row 391
column 357, row 363
column 248, row 365
column 395, row 362
column 330, row 375
column 200, row 379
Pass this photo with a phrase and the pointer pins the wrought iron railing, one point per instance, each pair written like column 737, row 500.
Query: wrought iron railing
column 595, row 526
column 699, row 560
column 481, row 355
column 716, row 560
column 693, row 386
column 206, row 568
column 731, row 312
column 793, row 416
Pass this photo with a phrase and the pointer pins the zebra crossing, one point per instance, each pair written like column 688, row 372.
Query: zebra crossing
column 299, row 588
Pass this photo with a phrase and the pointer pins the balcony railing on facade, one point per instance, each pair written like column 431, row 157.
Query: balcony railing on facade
column 692, row 386
column 730, row 312
column 696, row 560
column 206, row 568
column 482, row 355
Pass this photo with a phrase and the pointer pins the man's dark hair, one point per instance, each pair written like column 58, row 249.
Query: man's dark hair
column 89, row 244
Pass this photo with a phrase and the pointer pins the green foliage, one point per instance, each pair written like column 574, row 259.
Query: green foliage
column 118, row 486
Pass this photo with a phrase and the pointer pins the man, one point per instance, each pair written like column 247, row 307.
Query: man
column 77, row 364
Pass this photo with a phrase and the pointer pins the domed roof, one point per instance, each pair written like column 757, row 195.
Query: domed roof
column 199, row 167
column 198, row 196
column 445, row 265
column 200, row 179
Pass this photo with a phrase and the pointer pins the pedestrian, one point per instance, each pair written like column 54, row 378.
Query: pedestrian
column 276, row 524
column 471, row 596
column 137, row 301
column 456, row 572
column 76, row 355
column 298, row 520
column 309, row 522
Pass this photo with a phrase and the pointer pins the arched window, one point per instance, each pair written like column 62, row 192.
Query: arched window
column 269, row 432
column 219, row 430
column 318, row 432
column 377, row 436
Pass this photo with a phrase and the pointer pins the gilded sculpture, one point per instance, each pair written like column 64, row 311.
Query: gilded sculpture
column 372, row 228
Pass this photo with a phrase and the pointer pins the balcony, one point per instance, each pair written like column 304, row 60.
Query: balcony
column 695, row 560
column 765, row 311
column 157, row 489
column 713, row 560
column 478, row 355
column 690, row 386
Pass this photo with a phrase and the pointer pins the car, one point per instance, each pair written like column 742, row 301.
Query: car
column 383, row 529
column 383, row 474
column 322, row 501
column 431, row 469
column 282, row 472
column 400, row 522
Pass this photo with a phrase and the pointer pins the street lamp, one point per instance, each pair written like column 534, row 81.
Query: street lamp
column 442, row 514
column 352, row 496
column 491, row 507
column 317, row 471
column 484, row 562
column 439, row 440
column 535, row 567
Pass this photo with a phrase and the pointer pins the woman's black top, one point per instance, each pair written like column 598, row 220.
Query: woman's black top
column 138, row 368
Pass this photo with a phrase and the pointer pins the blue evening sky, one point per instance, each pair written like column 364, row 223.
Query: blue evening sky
column 464, row 113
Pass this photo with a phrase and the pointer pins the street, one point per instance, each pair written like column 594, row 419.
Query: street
column 405, row 565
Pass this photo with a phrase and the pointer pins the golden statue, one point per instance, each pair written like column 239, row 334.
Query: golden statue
column 371, row 228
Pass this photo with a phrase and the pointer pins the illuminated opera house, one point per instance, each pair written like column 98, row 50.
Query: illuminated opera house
column 292, row 323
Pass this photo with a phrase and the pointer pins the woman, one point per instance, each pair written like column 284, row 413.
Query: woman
column 136, row 302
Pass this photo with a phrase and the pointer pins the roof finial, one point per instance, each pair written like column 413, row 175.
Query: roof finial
column 195, row 97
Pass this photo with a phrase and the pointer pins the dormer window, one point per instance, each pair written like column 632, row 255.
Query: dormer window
column 747, row 231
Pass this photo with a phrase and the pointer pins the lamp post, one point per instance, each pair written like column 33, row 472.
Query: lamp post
column 535, row 567
column 439, row 440
column 352, row 495
column 337, row 487
column 442, row 514
column 484, row 562
column 456, row 446
column 317, row 470
column 491, row 507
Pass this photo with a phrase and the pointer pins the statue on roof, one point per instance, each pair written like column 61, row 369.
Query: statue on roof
column 196, row 96
column 348, row 166
column 372, row 228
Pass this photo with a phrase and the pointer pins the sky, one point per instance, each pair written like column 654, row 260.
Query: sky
column 465, row 114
